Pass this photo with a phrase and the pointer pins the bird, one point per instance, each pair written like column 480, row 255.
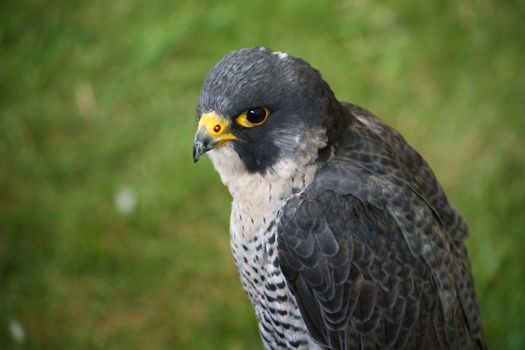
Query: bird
column 341, row 234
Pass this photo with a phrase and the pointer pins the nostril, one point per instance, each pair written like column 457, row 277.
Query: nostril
column 217, row 128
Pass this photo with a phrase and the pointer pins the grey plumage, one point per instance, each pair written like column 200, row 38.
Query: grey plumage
column 342, row 235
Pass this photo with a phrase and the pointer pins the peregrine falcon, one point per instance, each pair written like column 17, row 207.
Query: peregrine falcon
column 341, row 234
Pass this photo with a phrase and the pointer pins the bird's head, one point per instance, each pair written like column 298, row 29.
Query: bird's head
column 260, row 111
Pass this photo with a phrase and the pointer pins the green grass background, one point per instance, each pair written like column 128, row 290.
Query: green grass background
column 100, row 95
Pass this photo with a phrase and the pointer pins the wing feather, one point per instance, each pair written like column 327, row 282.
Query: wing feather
column 356, row 280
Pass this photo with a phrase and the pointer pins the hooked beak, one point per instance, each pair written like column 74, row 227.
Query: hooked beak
column 213, row 131
column 202, row 144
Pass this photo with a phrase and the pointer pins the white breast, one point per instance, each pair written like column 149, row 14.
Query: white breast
column 256, row 197
column 253, row 235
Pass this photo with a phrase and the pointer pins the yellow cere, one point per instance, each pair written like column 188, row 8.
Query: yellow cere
column 217, row 127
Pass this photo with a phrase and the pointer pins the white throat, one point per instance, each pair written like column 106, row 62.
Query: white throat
column 257, row 196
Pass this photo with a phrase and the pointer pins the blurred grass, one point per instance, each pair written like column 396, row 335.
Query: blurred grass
column 96, row 96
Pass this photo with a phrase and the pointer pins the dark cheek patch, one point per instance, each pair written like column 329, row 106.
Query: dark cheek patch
column 258, row 158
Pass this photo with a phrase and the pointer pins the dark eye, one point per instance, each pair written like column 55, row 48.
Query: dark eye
column 253, row 117
column 257, row 115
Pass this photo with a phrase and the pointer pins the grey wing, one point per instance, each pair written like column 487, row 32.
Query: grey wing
column 355, row 280
column 422, row 180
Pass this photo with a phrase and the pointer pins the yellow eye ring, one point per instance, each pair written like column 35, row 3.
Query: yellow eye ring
column 253, row 117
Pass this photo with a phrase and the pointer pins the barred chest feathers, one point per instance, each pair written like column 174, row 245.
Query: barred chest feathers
column 253, row 237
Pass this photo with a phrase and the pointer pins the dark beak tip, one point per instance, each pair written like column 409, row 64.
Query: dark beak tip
column 201, row 144
column 196, row 154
